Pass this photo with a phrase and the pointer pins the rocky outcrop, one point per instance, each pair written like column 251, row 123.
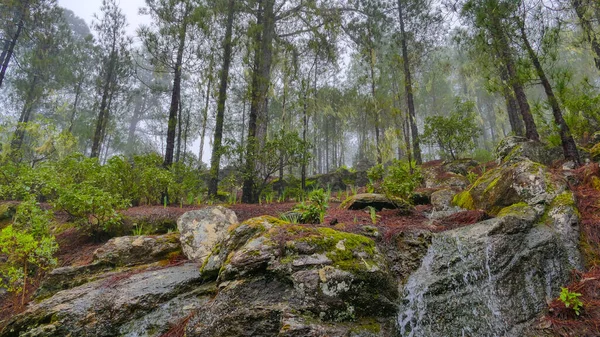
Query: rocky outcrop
column 524, row 181
column 136, row 250
column 201, row 230
column 278, row 279
column 377, row 201
column 514, row 149
column 143, row 303
column 492, row 278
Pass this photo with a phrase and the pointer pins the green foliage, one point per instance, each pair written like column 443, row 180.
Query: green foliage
column 314, row 210
column 373, row 214
column 94, row 208
column 25, row 254
column 399, row 182
column 455, row 134
column 571, row 300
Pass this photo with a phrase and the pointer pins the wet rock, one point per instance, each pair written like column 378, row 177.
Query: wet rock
column 442, row 200
column 524, row 181
column 136, row 250
column 460, row 166
column 278, row 279
column 515, row 149
column 437, row 178
column 377, row 201
column 201, row 230
column 127, row 304
column 488, row 279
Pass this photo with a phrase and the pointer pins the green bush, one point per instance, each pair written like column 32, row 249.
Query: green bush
column 399, row 182
column 314, row 210
column 95, row 210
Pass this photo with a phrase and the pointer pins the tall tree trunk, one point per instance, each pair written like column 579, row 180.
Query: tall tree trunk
column 7, row 54
column 409, row 89
column 215, row 161
column 512, row 110
column 179, row 131
column 568, row 144
column 304, row 130
column 581, row 11
column 185, row 134
column 261, row 77
column 507, row 58
column 375, row 111
column 176, row 95
column 100, row 123
column 205, row 111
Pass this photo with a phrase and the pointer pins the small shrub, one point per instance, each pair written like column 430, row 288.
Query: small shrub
column 571, row 300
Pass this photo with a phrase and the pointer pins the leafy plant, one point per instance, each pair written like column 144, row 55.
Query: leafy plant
column 138, row 229
column 292, row 217
column 571, row 300
column 26, row 254
column 314, row 210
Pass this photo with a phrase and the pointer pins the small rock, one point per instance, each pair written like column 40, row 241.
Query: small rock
column 442, row 199
column 201, row 230
column 377, row 201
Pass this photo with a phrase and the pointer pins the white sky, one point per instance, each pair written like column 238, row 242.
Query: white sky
column 85, row 9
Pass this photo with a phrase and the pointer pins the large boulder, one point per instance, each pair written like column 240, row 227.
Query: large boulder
column 514, row 149
column 377, row 201
column 278, row 279
column 143, row 303
column 201, row 230
column 136, row 250
column 523, row 181
column 492, row 278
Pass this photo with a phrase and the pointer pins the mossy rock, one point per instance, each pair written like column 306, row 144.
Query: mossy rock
column 512, row 183
column 595, row 152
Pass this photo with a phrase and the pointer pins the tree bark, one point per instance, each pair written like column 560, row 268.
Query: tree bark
column 140, row 106
column 514, row 118
column 261, row 76
column 100, row 123
column 568, row 143
column 176, row 94
column 507, row 58
column 215, row 161
column 409, row 89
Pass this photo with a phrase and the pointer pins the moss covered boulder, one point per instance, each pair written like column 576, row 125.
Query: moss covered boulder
column 377, row 201
column 279, row 279
column 514, row 149
column 524, row 181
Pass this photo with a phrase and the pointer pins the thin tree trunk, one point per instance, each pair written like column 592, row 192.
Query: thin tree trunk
column 304, row 130
column 215, row 161
column 568, row 143
column 179, row 131
column 205, row 112
column 75, row 104
column 103, row 105
column 514, row 118
column 507, row 58
column 11, row 47
column 375, row 111
column 185, row 134
column 409, row 89
column 176, row 95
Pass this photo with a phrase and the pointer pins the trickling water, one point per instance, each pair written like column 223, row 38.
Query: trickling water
column 486, row 280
